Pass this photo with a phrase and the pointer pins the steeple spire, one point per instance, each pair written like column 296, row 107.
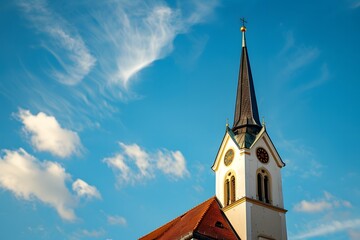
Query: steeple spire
column 246, row 119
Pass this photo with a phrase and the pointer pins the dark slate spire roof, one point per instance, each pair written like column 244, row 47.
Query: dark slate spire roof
column 246, row 119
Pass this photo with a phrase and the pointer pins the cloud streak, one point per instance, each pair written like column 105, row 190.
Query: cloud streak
column 329, row 228
column 116, row 220
column 327, row 202
column 108, row 50
column 312, row 206
column 73, row 59
column 141, row 33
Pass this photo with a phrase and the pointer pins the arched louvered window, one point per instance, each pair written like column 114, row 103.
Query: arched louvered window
column 227, row 192
column 263, row 186
column 229, row 189
column 232, row 189
column 266, row 189
column 259, row 187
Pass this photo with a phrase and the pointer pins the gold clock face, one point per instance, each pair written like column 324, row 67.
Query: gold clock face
column 229, row 156
column 262, row 155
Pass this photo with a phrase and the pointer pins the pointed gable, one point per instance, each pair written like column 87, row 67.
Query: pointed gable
column 228, row 139
column 205, row 221
column 270, row 145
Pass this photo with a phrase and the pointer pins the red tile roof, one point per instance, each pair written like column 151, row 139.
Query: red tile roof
column 205, row 221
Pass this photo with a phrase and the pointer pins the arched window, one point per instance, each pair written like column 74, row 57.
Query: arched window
column 263, row 186
column 227, row 192
column 229, row 189
column 233, row 189
column 266, row 189
column 259, row 187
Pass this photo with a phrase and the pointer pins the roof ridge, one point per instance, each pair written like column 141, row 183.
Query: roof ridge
column 207, row 209
column 178, row 218
column 172, row 222
column 196, row 206
column 169, row 225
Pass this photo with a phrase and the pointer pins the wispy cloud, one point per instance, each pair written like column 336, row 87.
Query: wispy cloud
column 296, row 56
column 299, row 59
column 328, row 201
column 355, row 4
column 30, row 179
column 93, row 233
column 296, row 59
column 63, row 43
column 46, row 134
column 134, row 164
column 328, row 228
column 323, row 77
column 109, row 50
column 116, row 220
column 289, row 43
column 300, row 153
column 141, row 33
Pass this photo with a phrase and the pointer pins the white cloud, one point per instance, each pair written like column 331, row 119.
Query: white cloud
column 30, row 179
column 327, row 202
column 141, row 158
column 82, row 189
column 93, row 233
column 64, row 43
column 134, row 164
column 141, row 33
column 172, row 163
column 312, row 206
column 116, row 220
column 46, row 134
column 328, row 228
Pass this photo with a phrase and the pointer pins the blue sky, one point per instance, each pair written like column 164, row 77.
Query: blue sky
column 112, row 111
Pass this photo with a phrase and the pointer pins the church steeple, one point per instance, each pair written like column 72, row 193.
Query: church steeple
column 246, row 119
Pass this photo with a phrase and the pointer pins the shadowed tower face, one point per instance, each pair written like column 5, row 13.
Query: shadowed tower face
column 247, row 167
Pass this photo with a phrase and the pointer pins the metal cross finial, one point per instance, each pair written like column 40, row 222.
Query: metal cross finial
column 243, row 21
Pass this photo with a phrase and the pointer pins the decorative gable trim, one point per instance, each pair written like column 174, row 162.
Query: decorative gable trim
column 269, row 144
column 229, row 135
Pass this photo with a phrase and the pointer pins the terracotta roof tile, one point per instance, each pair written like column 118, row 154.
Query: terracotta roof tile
column 205, row 221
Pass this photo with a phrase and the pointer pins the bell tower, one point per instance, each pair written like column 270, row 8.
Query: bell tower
column 247, row 167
